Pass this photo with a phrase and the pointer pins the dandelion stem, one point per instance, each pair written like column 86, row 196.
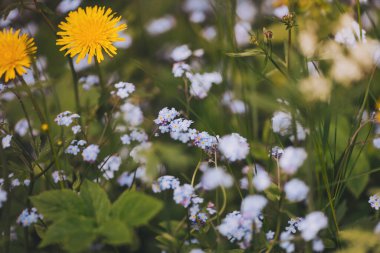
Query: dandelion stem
column 76, row 88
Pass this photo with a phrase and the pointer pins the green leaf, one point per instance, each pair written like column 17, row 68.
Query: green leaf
column 57, row 203
column 360, row 178
column 135, row 208
column 74, row 233
column 116, row 232
column 95, row 200
column 247, row 53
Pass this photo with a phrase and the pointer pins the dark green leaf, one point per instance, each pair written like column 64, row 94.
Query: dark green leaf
column 74, row 233
column 95, row 200
column 135, row 208
column 56, row 203
column 116, row 232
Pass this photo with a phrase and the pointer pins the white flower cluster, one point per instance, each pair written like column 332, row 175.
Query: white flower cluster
column 296, row 190
column 123, row 89
column 183, row 194
column 179, row 129
column 75, row 147
column 233, row 147
column 66, row 118
column 292, row 159
column 164, row 183
column 282, row 123
column 160, row 25
column 374, row 201
column 132, row 114
column 200, row 83
column 215, row 177
column 109, row 166
column 28, row 218
column 236, row 228
column 252, row 205
column 137, row 135
column 90, row 153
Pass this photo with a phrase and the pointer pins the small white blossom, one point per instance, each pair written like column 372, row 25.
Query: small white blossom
column 181, row 53
column 180, row 68
column 58, row 176
column 66, row 118
column 215, row 177
column 3, row 197
column 28, row 218
column 132, row 114
column 296, row 190
column 261, row 181
column 312, row 224
column 374, row 201
column 318, row 245
column 90, row 153
column 182, row 195
column 233, row 147
column 21, row 127
column 376, row 142
column 76, row 129
column 292, row 159
column 165, row 183
column 160, row 25
column 6, row 141
column 252, row 206
column 269, row 235
column 124, row 89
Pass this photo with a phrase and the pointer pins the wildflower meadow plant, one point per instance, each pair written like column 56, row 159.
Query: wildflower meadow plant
column 206, row 126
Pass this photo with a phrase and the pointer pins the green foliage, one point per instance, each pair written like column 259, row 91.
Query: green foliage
column 80, row 219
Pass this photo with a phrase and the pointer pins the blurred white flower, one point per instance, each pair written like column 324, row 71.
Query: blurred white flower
column 252, row 205
column 261, row 181
column 233, row 147
column 281, row 122
column 281, row 11
column 21, row 127
column 90, row 153
column 246, row 10
column 376, row 142
column 68, row 5
column 109, row 166
column 123, row 89
column 296, row 190
column 318, row 245
column 3, row 197
column 132, row 114
column 292, row 159
column 182, row 195
column 181, row 53
column 349, row 31
column 6, row 141
column 312, row 224
column 215, row 177
column 242, row 35
column 377, row 229
column 160, row 25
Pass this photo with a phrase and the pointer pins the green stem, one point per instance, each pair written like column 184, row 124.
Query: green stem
column 76, row 88
column 359, row 19
column 289, row 46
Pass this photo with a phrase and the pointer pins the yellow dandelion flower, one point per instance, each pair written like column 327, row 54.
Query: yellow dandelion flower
column 377, row 115
column 89, row 32
column 16, row 53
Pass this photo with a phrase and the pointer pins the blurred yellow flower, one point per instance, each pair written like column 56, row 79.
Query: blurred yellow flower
column 15, row 53
column 377, row 115
column 89, row 32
